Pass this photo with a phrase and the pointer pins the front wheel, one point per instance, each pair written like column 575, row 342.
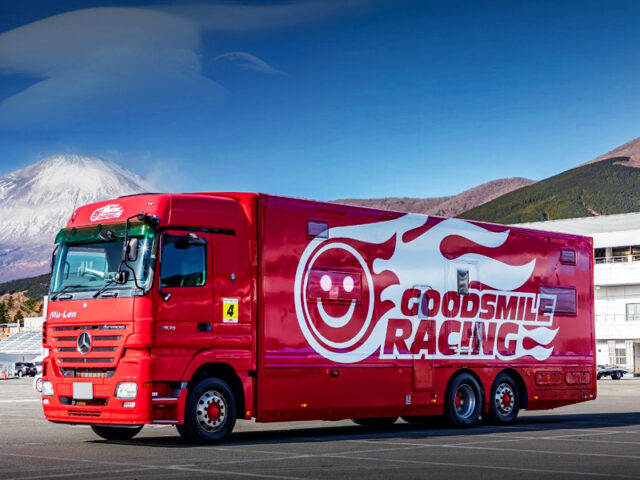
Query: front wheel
column 116, row 433
column 210, row 413
column 375, row 422
column 463, row 402
column 504, row 402
column 616, row 375
column 20, row 373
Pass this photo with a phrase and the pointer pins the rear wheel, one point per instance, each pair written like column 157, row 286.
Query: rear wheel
column 20, row 373
column 116, row 433
column 210, row 413
column 375, row 422
column 463, row 402
column 39, row 384
column 616, row 375
column 504, row 402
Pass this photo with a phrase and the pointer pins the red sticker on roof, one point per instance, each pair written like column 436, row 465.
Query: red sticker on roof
column 108, row 212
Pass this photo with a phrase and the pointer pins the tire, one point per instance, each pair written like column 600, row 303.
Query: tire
column 598, row 377
column 463, row 402
column 375, row 422
column 39, row 385
column 504, row 402
column 211, row 396
column 616, row 375
column 418, row 419
column 20, row 373
column 116, row 433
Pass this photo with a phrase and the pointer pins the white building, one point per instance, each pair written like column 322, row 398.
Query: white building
column 616, row 243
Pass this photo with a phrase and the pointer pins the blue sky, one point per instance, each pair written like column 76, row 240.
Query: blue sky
column 320, row 99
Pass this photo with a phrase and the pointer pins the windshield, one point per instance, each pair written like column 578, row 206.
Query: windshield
column 92, row 263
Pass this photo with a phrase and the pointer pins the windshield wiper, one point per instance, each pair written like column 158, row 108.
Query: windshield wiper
column 106, row 285
column 64, row 289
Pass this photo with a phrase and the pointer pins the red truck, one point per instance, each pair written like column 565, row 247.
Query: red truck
column 199, row 309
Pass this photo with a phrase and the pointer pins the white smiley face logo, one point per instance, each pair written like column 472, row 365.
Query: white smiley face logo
column 326, row 292
column 326, row 285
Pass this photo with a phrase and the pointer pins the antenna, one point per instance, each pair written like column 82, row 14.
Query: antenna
column 75, row 203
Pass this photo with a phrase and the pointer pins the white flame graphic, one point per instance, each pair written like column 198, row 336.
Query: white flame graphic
column 414, row 263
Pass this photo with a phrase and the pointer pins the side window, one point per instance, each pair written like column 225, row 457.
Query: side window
column 183, row 261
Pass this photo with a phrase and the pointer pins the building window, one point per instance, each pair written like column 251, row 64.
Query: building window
column 599, row 255
column 621, row 356
column 633, row 312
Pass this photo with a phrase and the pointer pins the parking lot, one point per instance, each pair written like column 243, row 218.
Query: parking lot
column 597, row 439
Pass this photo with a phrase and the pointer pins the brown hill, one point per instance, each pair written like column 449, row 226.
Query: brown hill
column 630, row 149
column 446, row 206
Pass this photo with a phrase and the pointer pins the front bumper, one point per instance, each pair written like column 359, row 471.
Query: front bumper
column 104, row 408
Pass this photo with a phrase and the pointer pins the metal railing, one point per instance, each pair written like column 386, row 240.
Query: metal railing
column 614, row 318
column 618, row 259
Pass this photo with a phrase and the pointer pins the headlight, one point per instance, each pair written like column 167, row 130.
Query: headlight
column 47, row 389
column 127, row 390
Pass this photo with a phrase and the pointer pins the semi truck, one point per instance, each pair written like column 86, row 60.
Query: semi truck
column 196, row 310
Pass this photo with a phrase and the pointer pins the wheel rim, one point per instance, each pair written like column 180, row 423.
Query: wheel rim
column 464, row 401
column 211, row 411
column 504, row 399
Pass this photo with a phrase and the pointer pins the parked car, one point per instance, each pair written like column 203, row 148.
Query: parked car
column 23, row 369
column 37, row 382
column 614, row 372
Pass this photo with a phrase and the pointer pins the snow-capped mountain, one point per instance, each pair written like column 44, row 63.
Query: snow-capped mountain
column 36, row 201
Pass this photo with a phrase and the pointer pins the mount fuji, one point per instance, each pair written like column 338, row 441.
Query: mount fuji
column 36, row 201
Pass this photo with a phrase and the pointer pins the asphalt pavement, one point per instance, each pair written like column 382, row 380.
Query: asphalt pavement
column 598, row 439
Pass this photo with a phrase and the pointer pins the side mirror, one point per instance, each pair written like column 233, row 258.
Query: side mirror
column 121, row 277
column 132, row 250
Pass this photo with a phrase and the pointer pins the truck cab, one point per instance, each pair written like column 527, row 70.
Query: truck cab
column 149, row 295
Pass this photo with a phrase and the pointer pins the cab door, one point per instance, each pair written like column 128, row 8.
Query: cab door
column 184, row 290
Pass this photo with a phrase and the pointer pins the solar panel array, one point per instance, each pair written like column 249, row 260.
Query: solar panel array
column 22, row 343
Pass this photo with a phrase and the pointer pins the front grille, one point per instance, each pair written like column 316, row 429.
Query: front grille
column 89, row 327
column 85, row 360
column 94, row 349
column 88, row 372
column 103, row 341
column 94, row 402
column 85, row 413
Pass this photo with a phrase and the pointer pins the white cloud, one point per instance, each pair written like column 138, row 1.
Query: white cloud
column 120, row 62
column 247, row 61
column 130, row 65
column 234, row 18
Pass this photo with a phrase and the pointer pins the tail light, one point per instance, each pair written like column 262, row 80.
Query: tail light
column 44, row 333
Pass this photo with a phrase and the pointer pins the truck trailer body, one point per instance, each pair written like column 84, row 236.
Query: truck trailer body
column 197, row 309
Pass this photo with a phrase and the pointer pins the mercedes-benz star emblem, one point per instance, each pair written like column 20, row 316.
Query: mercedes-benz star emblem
column 84, row 343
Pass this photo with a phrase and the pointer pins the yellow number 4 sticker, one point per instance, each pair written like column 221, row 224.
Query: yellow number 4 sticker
column 230, row 310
